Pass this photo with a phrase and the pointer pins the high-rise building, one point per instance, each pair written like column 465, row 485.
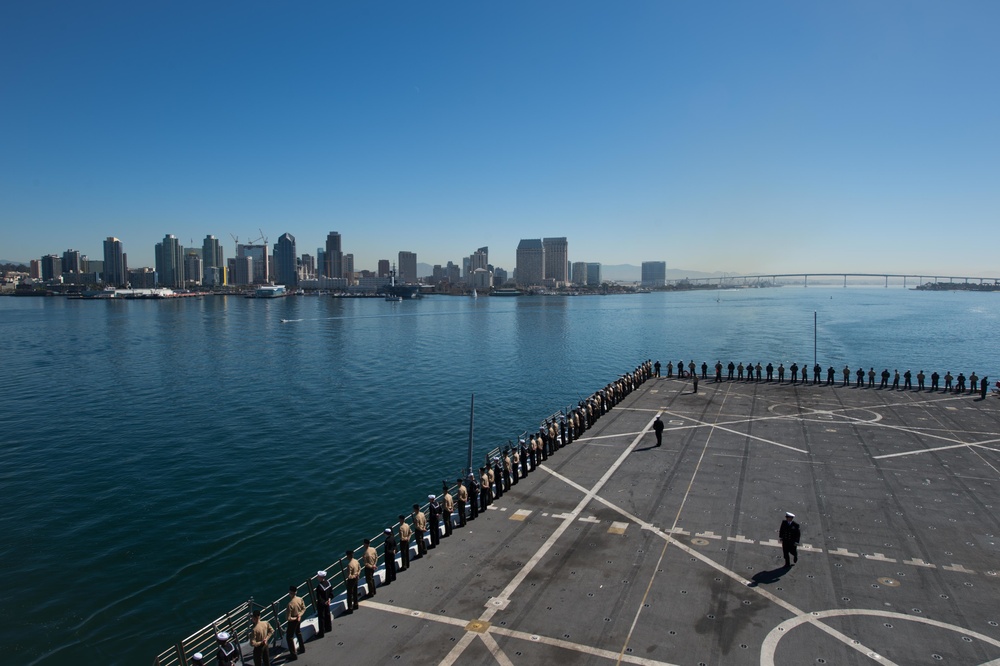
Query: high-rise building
column 286, row 261
column 261, row 266
column 211, row 254
column 407, row 267
column 478, row 259
column 71, row 262
column 194, row 271
column 556, row 254
column 654, row 273
column 593, row 275
column 334, row 265
column 170, row 262
column 115, row 270
column 307, row 267
column 530, row 269
column 35, row 269
column 142, row 278
column 320, row 262
column 580, row 273
column 383, row 268
column 51, row 266
column 349, row 268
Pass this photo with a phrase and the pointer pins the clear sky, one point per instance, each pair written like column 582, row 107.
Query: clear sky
column 717, row 136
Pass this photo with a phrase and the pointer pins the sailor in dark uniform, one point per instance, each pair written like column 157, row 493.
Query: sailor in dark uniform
column 389, row 545
column 324, row 595
column 227, row 654
column 789, row 535
column 197, row 659
column 434, row 520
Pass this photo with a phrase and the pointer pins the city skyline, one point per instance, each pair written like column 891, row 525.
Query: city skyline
column 727, row 137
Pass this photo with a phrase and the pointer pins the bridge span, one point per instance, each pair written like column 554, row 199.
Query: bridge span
column 771, row 279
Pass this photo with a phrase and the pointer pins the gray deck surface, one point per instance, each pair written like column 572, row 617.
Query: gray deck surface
column 616, row 552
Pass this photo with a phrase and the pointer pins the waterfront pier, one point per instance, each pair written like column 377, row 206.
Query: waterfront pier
column 618, row 551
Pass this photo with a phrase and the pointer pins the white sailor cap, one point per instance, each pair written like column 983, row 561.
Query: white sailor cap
column 197, row 656
column 222, row 636
column 789, row 514
column 387, row 530
column 321, row 574
column 430, row 497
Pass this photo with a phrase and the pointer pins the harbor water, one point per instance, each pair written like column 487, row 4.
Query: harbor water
column 163, row 461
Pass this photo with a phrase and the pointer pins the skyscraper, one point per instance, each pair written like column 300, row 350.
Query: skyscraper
column 285, row 261
column 580, row 273
column 479, row 259
column 408, row 267
column 193, row 267
column 170, row 262
column 51, row 266
column 334, row 266
column 594, row 275
column 654, row 273
column 383, row 268
column 213, row 263
column 349, row 268
column 530, row 269
column 71, row 262
column 115, row 271
column 260, row 268
column 556, row 259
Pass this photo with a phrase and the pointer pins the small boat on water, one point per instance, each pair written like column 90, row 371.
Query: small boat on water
column 393, row 298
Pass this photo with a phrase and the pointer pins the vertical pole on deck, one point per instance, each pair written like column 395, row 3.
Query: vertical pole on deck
column 472, row 415
column 814, row 337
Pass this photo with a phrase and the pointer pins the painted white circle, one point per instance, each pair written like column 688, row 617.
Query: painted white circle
column 770, row 644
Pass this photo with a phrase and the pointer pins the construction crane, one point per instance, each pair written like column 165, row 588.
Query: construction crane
column 236, row 242
column 261, row 238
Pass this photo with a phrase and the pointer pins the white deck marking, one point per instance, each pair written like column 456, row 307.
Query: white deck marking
column 495, row 650
column 920, row 451
column 504, row 596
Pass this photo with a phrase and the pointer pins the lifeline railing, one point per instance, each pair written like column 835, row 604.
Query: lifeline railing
column 237, row 622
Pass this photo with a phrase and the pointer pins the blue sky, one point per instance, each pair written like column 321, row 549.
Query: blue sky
column 717, row 136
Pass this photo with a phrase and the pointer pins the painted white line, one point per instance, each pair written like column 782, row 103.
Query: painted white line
column 576, row 647
column 495, row 650
column 919, row 451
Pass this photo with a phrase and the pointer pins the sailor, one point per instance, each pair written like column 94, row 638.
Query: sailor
column 730, row 367
column 524, row 458
column 789, row 535
column 463, row 497
column 419, row 527
column 656, row 369
column 920, row 380
column 227, row 654
column 670, row 368
column 805, row 373
column 871, row 377
column 770, row 371
column 370, row 556
column 506, row 469
column 885, row 379
column 947, row 381
column 816, row 371
column 389, row 546
column 293, row 626
column 448, row 503
column 794, row 369
column 935, row 379
column 473, row 486
column 781, row 372
column 847, row 375
column 404, row 542
column 907, row 381
column 324, row 595
column 353, row 573
column 197, row 659
column 973, row 382
column 759, row 370
column 704, row 370
column 434, row 520
column 658, row 430
column 484, row 490
column 831, row 376
column 259, row 636
column 739, row 372
column 491, row 473
column 861, row 378
column 515, row 466
column 895, row 381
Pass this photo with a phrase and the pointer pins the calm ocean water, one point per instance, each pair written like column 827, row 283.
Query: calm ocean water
column 164, row 461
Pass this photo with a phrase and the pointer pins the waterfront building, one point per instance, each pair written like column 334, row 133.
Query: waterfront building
column 170, row 262
column 141, row 278
column 408, row 267
column 211, row 258
column 580, row 273
column 115, row 269
column 594, row 274
column 481, row 279
column 307, row 267
column 556, row 259
column 654, row 273
column 530, row 268
column 260, row 268
column 35, row 269
column 349, row 268
column 51, row 266
column 334, row 260
column 383, row 268
column 285, row 261
column 241, row 270
column 194, row 271
column 499, row 277
column 71, row 262
column 480, row 259
column 320, row 262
